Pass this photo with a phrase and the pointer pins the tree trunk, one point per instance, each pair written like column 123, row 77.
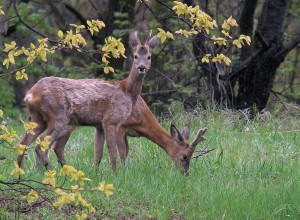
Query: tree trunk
column 256, row 81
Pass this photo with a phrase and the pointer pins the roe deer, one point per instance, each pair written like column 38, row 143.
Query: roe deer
column 142, row 123
column 55, row 103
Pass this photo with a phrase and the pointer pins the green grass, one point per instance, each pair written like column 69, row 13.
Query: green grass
column 253, row 173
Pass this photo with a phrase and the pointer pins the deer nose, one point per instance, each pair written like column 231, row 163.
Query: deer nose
column 141, row 69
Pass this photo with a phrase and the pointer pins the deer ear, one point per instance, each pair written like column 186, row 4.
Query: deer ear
column 185, row 131
column 199, row 137
column 175, row 133
column 152, row 42
column 134, row 40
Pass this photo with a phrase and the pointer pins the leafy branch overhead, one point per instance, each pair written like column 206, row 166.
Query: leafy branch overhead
column 71, row 39
column 201, row 23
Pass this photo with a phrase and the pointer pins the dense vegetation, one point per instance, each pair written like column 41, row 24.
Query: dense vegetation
column 230, row 66
column 252, row 173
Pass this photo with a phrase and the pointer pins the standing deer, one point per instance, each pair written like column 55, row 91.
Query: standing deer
column 142, row 123
column 56, row 103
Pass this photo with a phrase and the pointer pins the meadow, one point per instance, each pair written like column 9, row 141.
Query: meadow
column 253, row 173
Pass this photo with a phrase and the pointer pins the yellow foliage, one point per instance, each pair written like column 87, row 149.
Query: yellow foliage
column 29, row 127
column 20, row 149
column 21, row 75
column 80, row 176
column 95, row 25
column 81, row 216
column 9, row 136
column 1, row 11
column 17, row 171
column 50, row 178
column 60, row 34
column 162, row 35
column 106, row 188
column 67, row 170
column 3, row 127
column 32, row 196
column 1, row 113
column 181, row 9
column 222, row 58
column 219, row 40
column 205, row 59
column 44, row 144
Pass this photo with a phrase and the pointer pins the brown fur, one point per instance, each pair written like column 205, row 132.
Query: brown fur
column 142, row 123
column 56, row 103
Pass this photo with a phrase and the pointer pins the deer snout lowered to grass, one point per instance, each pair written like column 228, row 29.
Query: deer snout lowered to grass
column 55, row 103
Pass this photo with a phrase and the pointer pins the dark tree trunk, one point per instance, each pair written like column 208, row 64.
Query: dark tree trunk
column 256, row 81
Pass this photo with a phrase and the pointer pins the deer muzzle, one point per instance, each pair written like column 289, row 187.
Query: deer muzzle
column 142, row 69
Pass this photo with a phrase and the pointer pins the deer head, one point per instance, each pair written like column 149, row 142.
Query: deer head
column 141, row 53
column 183, row 151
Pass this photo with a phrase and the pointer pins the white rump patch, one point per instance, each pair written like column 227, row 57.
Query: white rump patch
column 28, row 98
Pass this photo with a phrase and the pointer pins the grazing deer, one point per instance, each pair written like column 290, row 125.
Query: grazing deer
column 56, row 103
column 142, row 123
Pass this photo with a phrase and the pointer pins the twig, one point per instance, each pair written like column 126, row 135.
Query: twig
column 203, row 152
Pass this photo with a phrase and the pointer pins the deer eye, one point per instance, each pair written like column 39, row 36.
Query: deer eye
column 135, row 56
column 184, row 158
column 149, row 57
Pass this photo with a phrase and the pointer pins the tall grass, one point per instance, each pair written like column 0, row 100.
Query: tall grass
column 253, row 173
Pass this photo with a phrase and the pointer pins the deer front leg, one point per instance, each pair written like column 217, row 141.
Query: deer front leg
column 98, row 145
column 110, row 137
column 122, row 145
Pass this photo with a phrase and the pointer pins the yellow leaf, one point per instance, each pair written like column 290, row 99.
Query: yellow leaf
column 205, row 59
column 1, row 11
column 1, row 113
column 17, row 171
column 3, row 127
column 6, row 63
column 237, row 43
column 11, row 58
column 60, row 34
column 9, row 47
column 106, row 188
column 226, row 34
column 170, row 35
column 232, row 22
column 50, row 178
column 32, row 196
column 21, row 75
column 44, row 145
column 89, row 23
column 20, row 149
column 32, row 46
column 81, row 216
column 67, row 170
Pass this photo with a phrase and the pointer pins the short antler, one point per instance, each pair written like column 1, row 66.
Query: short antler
column 199, row 137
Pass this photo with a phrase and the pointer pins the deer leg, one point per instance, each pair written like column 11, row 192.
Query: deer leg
column 59, row 148
column 127, row 147
column 98, row 145
column 29, row 138
column 122, row 145
column 60, row 144
column 110, row 137
column 55, row 129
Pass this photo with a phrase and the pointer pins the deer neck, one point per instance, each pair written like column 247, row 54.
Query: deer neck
column 155, row 133
column 133, row 84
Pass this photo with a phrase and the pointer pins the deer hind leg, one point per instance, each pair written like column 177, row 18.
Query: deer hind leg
column 110, row 137
column 99, row 139
column 60, row 144
column 54, row 129
column 122, row 145
column 29, row 138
